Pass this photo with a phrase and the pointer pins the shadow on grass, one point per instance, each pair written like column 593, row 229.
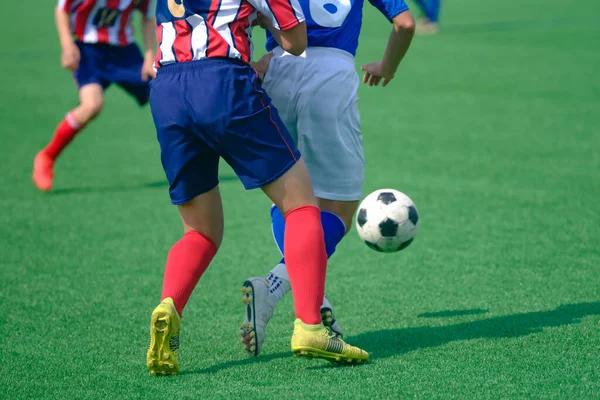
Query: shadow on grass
column 123, row 188
column 386, row 343
column 237, row 363
column 452, row 313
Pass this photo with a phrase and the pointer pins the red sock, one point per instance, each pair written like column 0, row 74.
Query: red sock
column 306, row 261
column 64, row 134
column 187, row 261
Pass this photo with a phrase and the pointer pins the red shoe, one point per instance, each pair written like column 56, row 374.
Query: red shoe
column 43, row 171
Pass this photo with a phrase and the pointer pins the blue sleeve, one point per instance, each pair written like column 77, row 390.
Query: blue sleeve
column 390, row 8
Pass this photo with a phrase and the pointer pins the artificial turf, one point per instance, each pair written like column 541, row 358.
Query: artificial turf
column 491, row 127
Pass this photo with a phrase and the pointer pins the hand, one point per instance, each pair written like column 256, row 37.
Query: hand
column 263, row 21
column 148, row 71
column 374, row 73
column 262, row 65
column 70, row 57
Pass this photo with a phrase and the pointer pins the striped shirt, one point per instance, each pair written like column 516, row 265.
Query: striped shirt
column 190, row 30
column 104, row 21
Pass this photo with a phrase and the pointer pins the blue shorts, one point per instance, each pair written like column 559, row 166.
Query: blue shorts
column 212, row 108
column 105, row 64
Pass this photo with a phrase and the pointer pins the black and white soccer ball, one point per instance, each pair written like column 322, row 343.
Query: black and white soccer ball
column 387, row 220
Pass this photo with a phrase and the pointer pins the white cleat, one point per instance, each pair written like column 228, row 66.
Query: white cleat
column 257, row 313
column 329, row 320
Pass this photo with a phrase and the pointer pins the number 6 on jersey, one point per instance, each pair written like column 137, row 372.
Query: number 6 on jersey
column 330, row 13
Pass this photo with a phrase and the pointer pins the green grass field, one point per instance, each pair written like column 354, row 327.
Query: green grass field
column 492, row 128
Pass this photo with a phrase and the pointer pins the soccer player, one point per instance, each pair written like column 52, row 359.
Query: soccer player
column 429, row 23
column 103, row 53
column 316, row 95
column 207, row 103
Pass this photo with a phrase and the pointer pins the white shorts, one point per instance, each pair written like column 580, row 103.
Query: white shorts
column 316, row 96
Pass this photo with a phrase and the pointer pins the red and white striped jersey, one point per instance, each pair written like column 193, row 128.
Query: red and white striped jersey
column 104, row 21
column 190, row 30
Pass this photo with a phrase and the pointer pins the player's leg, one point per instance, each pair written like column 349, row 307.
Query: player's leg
column 191, row 168
column 268, row 159
column 329, row 120
column 281, row 83
column 91, row 97
column 187, row 261
column 306, row 263
column 429, row 23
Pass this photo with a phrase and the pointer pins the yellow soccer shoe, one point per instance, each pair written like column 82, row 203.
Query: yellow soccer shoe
column 316, row 341
column 163, row 353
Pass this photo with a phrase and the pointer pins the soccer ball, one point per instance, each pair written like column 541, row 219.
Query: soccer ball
column 387, row 220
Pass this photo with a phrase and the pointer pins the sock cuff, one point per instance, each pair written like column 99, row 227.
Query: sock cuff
column 306, row 208
column 195, row 235
column 336, row 218
column 280, row 271
column 73, row 123
column 308, row 327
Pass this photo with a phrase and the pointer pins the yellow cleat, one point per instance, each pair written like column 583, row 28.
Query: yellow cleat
column 163, row 353
column 316, row 341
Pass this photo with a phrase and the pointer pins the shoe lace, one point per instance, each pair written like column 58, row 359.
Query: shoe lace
column 330, row 333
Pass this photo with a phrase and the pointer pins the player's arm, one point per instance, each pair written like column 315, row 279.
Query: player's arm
column 292, row 40
column 149, row 39
column 397, row 45
column 285, row 20
column 70, row 52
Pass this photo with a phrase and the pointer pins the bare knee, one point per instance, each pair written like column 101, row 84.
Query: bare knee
column 91, row 108
column 214, row 235
column 91, row 100
column 292, row 190
column 204, row 214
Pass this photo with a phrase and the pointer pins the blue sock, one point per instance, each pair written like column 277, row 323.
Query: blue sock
column 431, row 9
column 333, row 229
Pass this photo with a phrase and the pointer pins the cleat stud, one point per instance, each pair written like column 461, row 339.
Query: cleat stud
column 253, row 341
column 252, row 348
column 242, row 340
column 242, row 290
column 252, row 334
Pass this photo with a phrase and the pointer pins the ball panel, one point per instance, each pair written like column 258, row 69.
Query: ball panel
column 397, row 211
column 361, row 218
column 386, row 197
column 413, row 214
column 388, row 228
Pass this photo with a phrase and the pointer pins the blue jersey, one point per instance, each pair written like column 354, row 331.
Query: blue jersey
column 337, row 23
